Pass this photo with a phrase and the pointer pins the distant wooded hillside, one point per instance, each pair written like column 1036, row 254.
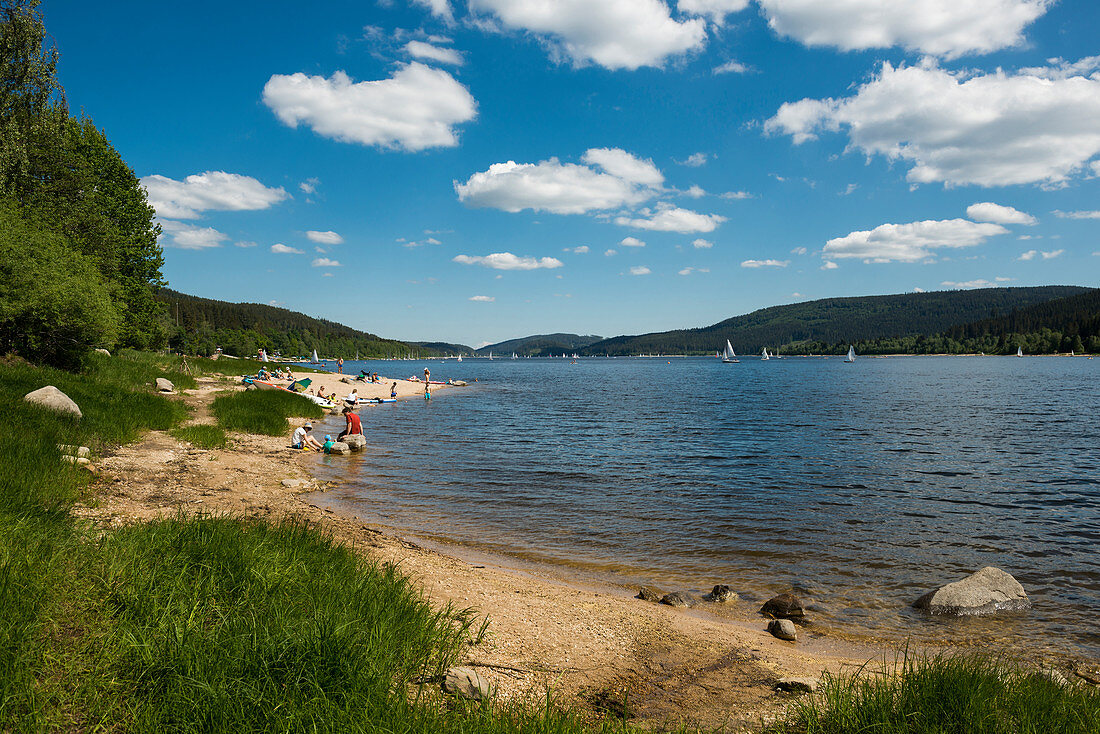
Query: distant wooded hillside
column 201, row 325
column 541, row 345
column 825, row 324
column 442, row 348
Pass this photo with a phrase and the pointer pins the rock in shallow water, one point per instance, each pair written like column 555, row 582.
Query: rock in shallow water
column 721, row 593
column 784, row 606
column 987, row 591
column 784, row 629
column 679, row 599
column 648, row 594
column 355, row 441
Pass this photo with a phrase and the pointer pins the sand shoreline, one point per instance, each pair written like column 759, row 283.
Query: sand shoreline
column 584, row 642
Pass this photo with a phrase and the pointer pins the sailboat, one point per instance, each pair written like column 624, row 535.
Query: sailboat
column 1019, row 351
column 728, row 356
column 459, row 358
column 514, row 355
column 313, row 358
column 776, row 355
column 851, row 355
column 764, row 354
column 490, row 356
column 263, row 355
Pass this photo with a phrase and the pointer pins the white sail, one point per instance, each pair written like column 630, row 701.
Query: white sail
column 851, row 355
column 263, row 355
column 1019, row 351
column 460, row 358
column 764, row 354
column 728, row 355
column 313, row 358
column 490, row 356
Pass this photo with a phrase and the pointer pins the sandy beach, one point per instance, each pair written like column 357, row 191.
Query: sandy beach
column 587, row 644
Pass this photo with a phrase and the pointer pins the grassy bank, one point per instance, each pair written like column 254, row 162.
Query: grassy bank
column 207, row 624
column 976, row 694
column 262, row 411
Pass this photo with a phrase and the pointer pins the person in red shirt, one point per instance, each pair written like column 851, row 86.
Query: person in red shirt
column 354, row 425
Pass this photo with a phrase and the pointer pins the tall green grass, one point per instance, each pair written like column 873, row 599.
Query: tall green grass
column 975, row 694
column 202, row 436
column 262, row 411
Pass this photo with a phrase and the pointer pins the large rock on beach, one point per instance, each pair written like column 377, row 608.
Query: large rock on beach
column 648, row 594
column 721, row 594
column 784, row 606
column 355, row 441
column 53, row 399
column 466, row 683
column 339, row 448
column 798, row 684
column 679, row 599
column 784, row 629
column 165, row 385
column 984, row 592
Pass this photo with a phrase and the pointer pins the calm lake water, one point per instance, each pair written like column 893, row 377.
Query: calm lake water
column 858, row 486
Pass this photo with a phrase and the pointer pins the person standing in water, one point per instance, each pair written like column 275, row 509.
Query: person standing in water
column 427, row 384
column 393, row 390
column 340, row 365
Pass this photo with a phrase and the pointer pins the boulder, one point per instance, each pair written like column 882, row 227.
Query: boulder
column 784, row 629
column 53, row 399
column 355, row 441
column 648, row 594
column 81, row 452
column 74, row 459
column 339, row 448
column 165, row 385
column 987, row 591
column 784, row 606
column 798, row 685
column 291, row 483
column 103, row 351
column 466, row 683
column 678, row 599
column 721, row 594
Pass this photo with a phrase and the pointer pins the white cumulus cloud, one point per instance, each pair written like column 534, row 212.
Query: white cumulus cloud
column 701, row 244
column 736, row 195
column 482, row 299
column 212, row 190
column 580, row 249
column 993, row 129
column 910, row 242
column 695, row 160
column 669, row 218
column 324, row 238
column 417, row 108
column 976, row 283
column 615, row 34
column 716, row 9
column 280, row 249
column 829, row 265
column 689, row 270
column 731, row 67
column 765, row 263
column 632, row 242
column 438, row 8
column 562, row 188
column 324, row 262
column 1077, row 214
column 421, row 50
column 946, row 28
column 640, row 270
column 508, row 261
column 610, row 253
column 987, row 211
column 1051, row 255
column 189, row 236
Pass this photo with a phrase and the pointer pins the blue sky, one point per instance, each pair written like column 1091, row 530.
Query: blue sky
column 479, row 170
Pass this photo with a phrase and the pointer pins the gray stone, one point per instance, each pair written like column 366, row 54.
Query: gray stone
column 81, row 452
column 355, row 441
column 721, row 594
column 784, row 606
column 798, row 685
column 647, row 594
column 987, row 591
column 165, row 385
column 784, row 629
column 291, row 483
column 679, row 599
column 75, row 459
column 339, row 448
column 103, row 351
column 466, row 683
column 53, row 399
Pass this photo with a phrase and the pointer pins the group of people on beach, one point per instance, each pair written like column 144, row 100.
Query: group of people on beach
column 303, row 437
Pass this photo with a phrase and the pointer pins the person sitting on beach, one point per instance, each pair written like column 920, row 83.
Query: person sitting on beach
column 263, row 374
column 327, row 446
column 354, row 426
column 393, row 390
column 302, row 439
column 374, row 378
column 353, row 398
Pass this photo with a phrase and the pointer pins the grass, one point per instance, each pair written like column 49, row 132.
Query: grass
column 975, row 694
column 204, row 624
column 262, row 411
column 202, row 436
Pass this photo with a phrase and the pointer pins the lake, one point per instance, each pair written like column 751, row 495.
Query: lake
column 858, row 486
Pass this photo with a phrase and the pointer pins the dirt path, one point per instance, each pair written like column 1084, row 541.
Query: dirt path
column 595, row 647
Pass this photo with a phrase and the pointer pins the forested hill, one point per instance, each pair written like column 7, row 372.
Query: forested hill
column 833, row 321
column 445, row 349
column 541, row 345
column 200, row 325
